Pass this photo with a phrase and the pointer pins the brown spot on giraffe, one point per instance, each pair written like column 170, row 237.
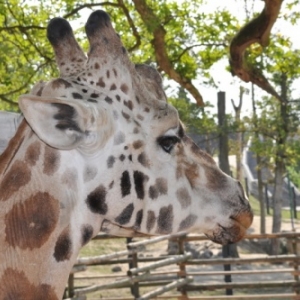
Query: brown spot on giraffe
column 187, row 222
column 108, row 100
column 96, row 200
column 125, row 115
column 40, row 91
column 59, row 82
column 165, row 220
column 110, row 161
column 184, row 197
column 139, row 179
column 124, row 88
column 101, row 82
column 159, row 188
column 186, row 168
column 69, row 178
column 51, row 160
column 119, row 138
column 29, row 224
column 125, row 184
column 113, row 87
column 216, row 180
column 17, row 176
column 191, row 173
column 16, row 286
column 137, row 144
column 63, row 246
column 129, row 104
column 150, row 220
column 125, row 216
column 33, row 153
column 86, row 233
column 138, row 220
column 89, row 173
column 144, row 160
column 140, row 117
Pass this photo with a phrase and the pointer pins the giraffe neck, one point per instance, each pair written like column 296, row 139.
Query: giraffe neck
column 40, row 229
column 13, row 146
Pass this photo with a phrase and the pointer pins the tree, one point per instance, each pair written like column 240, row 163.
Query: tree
column 147, row 28
column 199, row 122
column 280, row 71
column 179, row 39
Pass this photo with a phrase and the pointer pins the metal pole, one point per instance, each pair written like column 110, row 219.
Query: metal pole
column 267, row 199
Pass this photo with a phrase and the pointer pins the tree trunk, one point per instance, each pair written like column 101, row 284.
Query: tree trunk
column 259, row 174
column 223, row 137
column 277, row 205
column 239, row 139
column 227, row 250
column 261, row 196
column 280, row 164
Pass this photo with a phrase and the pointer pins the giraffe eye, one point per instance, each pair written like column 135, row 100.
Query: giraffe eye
column 168, row 142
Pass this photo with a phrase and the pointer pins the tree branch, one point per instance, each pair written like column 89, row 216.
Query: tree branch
column 201, row 45
column 256, row 31
column 4, row 99
column 154, row 26
column 132, row 26
column 88, row 5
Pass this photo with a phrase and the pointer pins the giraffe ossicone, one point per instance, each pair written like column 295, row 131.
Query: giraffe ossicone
column 100, row 149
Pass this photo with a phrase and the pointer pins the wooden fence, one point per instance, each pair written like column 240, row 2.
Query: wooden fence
column 183, row 280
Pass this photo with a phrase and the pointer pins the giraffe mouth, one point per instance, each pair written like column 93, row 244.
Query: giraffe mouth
column 234, row 233
column 227, row 235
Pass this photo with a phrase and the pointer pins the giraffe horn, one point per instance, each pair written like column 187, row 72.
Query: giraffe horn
column 69, row 56
column 102, row 37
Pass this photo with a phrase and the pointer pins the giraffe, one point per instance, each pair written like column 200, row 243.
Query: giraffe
column 101, row 149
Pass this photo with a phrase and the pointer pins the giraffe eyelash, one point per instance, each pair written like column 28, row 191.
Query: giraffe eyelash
column 168, row 142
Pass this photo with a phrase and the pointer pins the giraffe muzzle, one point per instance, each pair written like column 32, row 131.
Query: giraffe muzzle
column 235, row 232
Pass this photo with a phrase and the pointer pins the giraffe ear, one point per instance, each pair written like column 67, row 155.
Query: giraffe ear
column 59, row 122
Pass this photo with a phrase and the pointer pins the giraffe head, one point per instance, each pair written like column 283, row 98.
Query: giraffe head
column 133, row 165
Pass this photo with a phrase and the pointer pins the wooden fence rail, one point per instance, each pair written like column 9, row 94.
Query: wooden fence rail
column 181, row 280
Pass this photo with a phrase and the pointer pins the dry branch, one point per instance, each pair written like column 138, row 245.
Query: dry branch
column 101, row 258
column 256, row 31
column 166, row 288
column 161, row 263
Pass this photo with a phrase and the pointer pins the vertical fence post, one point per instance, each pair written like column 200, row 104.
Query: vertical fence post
column 267, row 199
column 133, row 264
column 182, row 270
column 227, row 267
column 295, row 263
column 291, row 202
column 294, row 202
column 71, row 285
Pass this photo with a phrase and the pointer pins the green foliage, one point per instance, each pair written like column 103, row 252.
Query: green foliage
column 294, row 174
column 195, row 118
column 194, row 41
